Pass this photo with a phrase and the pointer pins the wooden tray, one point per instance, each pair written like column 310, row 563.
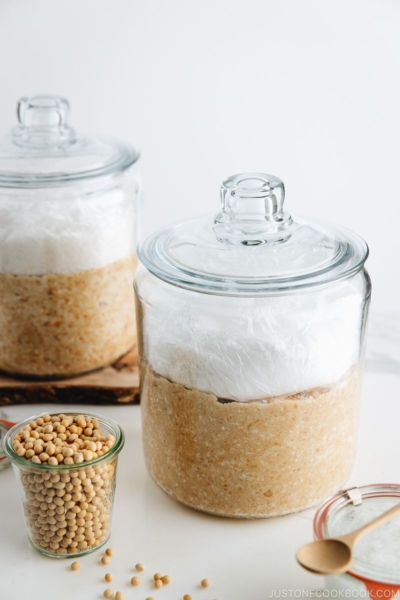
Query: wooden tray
column 117, row 384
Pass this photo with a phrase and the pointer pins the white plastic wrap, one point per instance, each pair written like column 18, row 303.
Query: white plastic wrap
column 252, row 348
column 51, row 233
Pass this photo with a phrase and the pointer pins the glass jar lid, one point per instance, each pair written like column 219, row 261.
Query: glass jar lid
column 252, row 246
column 377, row 554
column 44, row 150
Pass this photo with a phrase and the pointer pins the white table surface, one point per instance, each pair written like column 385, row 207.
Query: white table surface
column 245, row 560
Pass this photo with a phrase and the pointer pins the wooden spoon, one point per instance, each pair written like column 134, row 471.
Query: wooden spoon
column 335, row 555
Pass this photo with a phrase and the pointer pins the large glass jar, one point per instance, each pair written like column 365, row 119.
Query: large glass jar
column 68, row 225
column 251, row 340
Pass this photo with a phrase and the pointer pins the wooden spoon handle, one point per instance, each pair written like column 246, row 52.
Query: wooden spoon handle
column 353, row 537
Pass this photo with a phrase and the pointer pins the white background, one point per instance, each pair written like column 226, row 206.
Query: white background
column 306, row 90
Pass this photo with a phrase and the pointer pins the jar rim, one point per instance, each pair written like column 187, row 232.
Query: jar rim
column 20, row 461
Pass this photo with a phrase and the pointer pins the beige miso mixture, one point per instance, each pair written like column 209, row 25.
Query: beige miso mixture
column 64, row 324
column 255, row 459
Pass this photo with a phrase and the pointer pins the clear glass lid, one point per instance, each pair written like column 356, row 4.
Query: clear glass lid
column 377, row 554
column 44, row 150
column 252, row 246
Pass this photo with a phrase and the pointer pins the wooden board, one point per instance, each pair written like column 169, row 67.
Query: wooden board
column 117, row 384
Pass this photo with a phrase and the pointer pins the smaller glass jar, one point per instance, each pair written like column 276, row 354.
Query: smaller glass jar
column 69, row 213
column 48, row 517
column 375, row 571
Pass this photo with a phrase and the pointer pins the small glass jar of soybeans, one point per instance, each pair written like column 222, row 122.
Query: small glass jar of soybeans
column 65, row 466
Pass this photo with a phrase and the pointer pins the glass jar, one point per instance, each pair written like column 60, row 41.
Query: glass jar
column 251, row 341
column 4, row 427
column 69, row 208
column 375, row 571
column 43, row 486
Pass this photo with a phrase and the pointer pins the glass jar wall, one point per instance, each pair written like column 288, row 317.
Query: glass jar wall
column 250, row 378
column 69, row 211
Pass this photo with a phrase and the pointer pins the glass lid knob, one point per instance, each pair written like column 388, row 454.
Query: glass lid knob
column 252, row 210
column 43, row 121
